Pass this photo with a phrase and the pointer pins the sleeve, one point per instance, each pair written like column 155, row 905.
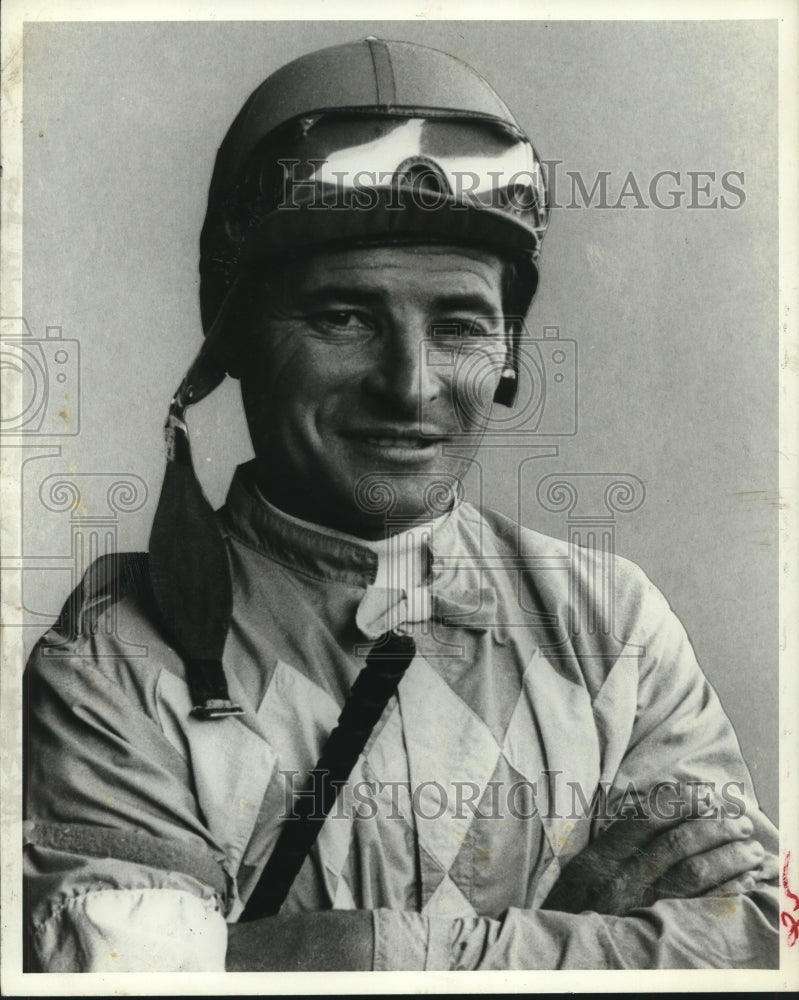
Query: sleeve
column 710, row 932
column 121, row 873
column 678, row 732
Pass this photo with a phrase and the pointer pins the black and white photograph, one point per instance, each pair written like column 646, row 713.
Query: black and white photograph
column 399, row 456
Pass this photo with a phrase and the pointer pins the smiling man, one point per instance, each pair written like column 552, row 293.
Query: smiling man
column 369, row 730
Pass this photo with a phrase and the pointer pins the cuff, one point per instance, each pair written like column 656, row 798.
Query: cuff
column 407, row 942
column 131, row 930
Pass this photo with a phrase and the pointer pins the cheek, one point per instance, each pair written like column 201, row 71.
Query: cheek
column 474, row 380
column 269, row 371
column 298, row 382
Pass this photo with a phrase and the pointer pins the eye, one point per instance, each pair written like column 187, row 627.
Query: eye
column 487, row 327
column 467, row 328
column 342, row 321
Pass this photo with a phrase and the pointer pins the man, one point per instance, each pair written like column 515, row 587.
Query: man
column 366, row 734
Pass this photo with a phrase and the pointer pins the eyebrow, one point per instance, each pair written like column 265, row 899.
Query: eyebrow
column 343, row 293
column 471, row 302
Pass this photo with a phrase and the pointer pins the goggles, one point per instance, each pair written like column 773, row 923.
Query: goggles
column 335, row 176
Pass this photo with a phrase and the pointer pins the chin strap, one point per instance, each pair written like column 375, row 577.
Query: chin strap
column 508, row 385
column 188, row 562
column 189, row 570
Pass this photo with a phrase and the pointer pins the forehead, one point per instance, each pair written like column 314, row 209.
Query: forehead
column 407, row 269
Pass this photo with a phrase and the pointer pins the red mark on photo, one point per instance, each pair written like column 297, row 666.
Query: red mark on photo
column 787, row 918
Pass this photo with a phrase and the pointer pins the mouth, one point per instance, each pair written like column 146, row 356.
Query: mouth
column 398, row 445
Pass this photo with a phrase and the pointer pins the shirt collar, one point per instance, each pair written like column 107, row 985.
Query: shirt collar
column 319, row 551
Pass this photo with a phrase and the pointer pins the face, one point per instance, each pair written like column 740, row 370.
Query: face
column 376, row 362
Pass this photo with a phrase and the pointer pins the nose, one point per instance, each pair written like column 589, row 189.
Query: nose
column 401, row 373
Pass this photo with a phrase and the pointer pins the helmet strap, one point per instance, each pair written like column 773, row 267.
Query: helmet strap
column 505, row 392
column 188, row 560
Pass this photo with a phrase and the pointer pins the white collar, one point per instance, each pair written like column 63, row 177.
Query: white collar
column 402, row 558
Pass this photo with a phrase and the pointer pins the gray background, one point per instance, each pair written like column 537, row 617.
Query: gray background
column 674, row 311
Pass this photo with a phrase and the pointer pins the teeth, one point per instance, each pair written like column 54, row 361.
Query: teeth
column 396, row 443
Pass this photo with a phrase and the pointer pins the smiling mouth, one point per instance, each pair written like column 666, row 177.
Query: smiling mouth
column 394, row 442
column 412, row 445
